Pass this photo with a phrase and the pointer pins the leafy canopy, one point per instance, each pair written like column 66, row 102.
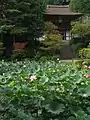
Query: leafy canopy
column 80, row 5
column 21, row 16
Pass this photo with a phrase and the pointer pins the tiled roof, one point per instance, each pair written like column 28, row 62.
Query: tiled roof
column 60, row 10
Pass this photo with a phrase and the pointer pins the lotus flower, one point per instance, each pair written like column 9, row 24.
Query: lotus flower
column 32, row 78
column 89, row 67
column 87, row 75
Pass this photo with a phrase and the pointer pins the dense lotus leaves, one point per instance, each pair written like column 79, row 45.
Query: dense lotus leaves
column 43, row 90
column 88, row 117
column 54, row 107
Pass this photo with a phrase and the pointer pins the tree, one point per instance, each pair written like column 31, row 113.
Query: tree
column 21, row 18
column 80, row 5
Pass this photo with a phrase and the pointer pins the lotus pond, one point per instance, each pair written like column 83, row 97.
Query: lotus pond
column 44, row 90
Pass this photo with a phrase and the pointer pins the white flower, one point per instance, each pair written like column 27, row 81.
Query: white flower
column 24, row 66
column 3, row 74
column 89, row 67
column 2, row 60
column 82, row 83
column 33, row 77
column 85, row 66
column 58, row 59
column 84, row 95
column 53, row 70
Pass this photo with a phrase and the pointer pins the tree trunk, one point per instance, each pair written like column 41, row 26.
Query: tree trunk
column 8, row 44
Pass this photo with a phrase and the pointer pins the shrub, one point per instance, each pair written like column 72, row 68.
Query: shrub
column 50, row 28
column 53, row 40
column 80, row 29
column 86, row 62
column 85, row 52
column 80, row 36
column 18, row 54
column 79, row 63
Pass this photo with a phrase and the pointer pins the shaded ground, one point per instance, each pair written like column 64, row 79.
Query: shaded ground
column 66, row 52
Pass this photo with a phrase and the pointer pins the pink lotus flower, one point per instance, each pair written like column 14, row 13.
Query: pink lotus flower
column 87, row 66
column 32, row 78
column 87, row 75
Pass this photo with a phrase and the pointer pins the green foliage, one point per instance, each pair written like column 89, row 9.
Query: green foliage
column 19, row 55
column 23, row 16
column 80, row 36
column 56, row 91
column 79, row 63
column 85, row 18
column 81, row 29
column 85, row 52
column 86, row 62
column 76, row 46
column 18, row 31
column 80, row 6
column 50, row 28
column 53, row 40
column 5, row 28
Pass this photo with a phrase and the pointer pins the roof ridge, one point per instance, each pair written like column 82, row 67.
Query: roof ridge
column 57, row 6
